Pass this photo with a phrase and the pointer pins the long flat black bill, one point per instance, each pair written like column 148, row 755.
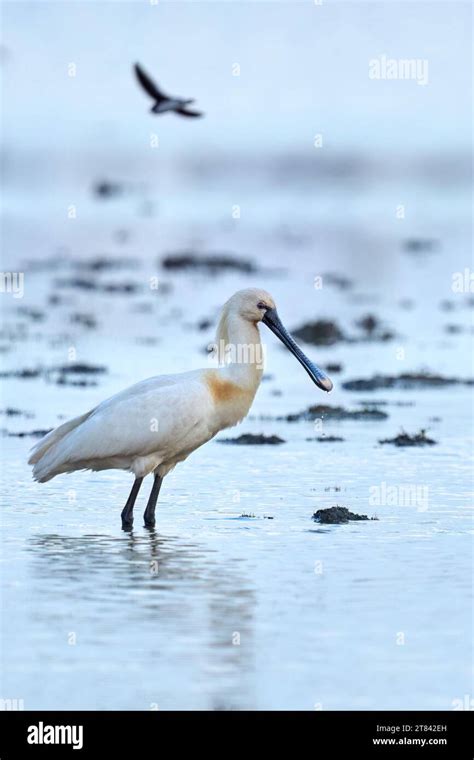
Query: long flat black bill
column 273, row 322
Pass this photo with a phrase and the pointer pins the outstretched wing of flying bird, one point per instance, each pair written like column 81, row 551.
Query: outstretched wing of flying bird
column 185, row 112
column 148, row 85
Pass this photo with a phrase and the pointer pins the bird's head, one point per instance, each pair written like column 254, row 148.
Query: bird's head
column 255, row 305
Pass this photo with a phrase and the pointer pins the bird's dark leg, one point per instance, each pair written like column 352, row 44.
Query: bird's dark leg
column 127, row 512
column 149, row 515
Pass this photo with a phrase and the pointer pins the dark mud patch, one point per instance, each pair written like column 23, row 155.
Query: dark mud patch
column 404, row 381
column 108, row 189
column 455, row 329
column 323, row 411
column 373, row 329
column 79, row 383
column 12, row 412
column 27, row 433
column 54, row 300
column 405, row 439
column 334, row 368
column 419, row 246
column 84, row 283
column 106, row 263
column 250, row 516
column 84, row 320
column 447, row 305
column 205, row 324
column 81, row 369
column 380, row 402
column 338, row 515
column 323, row 332
column 67, row 374
column 22, row 374
column 76, row 375
column 249, row 439
column 327, row 439
column 34, row 315
column 212, row 264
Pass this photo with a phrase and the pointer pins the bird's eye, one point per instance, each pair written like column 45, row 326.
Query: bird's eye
column 262, row 305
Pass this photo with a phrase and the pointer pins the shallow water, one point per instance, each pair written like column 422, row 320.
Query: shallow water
column 214, row 609
column 238, row 599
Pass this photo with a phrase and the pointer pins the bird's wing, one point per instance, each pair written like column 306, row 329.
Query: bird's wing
column 147, row 418
column 148, row 85
column 186, row 112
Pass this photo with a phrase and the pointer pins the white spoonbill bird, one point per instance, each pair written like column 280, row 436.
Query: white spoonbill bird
column 153, row 425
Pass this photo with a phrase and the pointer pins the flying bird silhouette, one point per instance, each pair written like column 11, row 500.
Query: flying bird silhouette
column 163, row 102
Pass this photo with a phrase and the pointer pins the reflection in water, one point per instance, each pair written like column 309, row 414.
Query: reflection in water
column 155, row 597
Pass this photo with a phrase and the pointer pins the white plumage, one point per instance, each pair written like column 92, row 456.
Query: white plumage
column 138, row 429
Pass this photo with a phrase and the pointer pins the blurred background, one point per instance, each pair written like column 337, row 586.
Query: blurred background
column 302, row 160
column 349, row 198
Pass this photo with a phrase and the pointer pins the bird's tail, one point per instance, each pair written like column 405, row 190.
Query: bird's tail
column 41, row 453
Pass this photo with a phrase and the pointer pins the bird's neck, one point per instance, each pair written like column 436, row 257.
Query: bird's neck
column 240, row 351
